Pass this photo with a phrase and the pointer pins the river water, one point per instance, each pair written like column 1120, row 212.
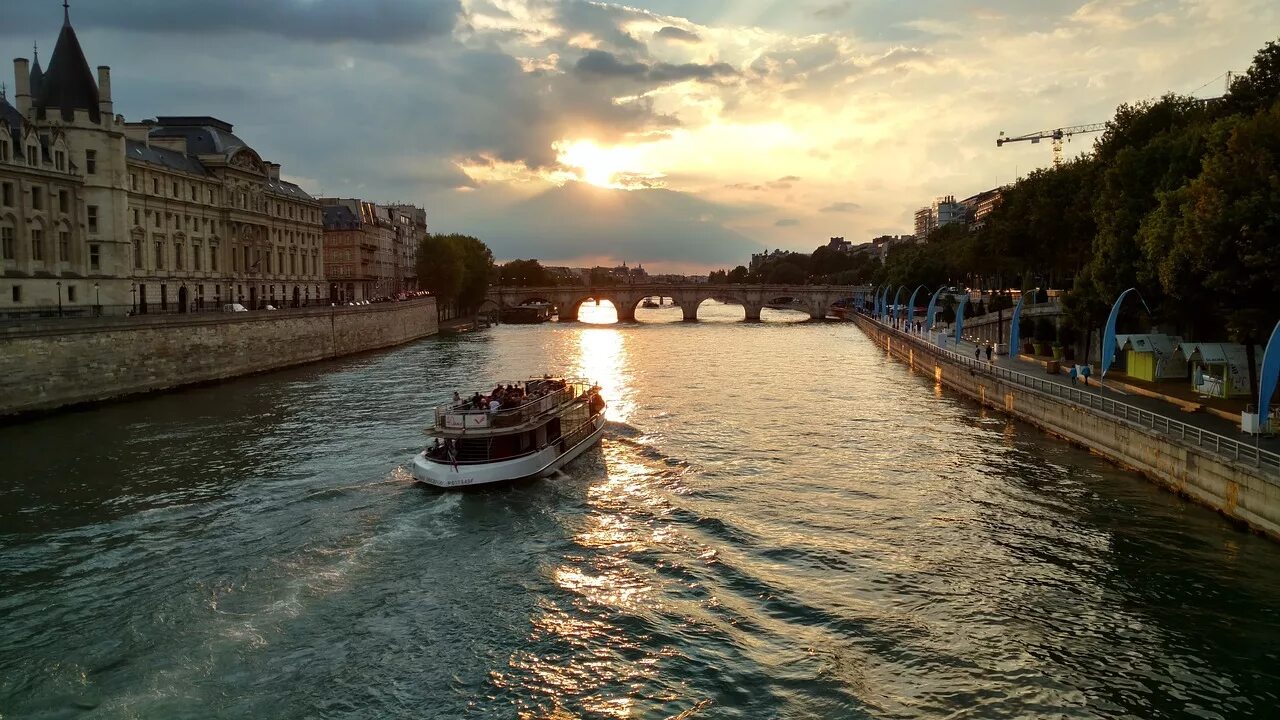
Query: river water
column 780, row 523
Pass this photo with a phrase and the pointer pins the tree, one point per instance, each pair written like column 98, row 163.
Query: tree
column 455, row 268
column 440, row 268
column 1223, row 232
column 717, row 277
column 524, row 273
column 1259, row 88
column 737, row 276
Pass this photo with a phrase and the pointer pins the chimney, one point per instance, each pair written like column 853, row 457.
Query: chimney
column 104, row 92
column 22, row 85
column 273, row 170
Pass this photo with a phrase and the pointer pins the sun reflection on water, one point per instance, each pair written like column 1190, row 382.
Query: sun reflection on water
column 602, row 358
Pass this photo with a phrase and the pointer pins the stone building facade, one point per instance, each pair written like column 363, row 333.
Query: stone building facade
column 370, row 249
column 173, row 214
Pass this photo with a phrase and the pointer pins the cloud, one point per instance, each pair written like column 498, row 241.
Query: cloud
column 325, row 21
column 841, row 207
column 675, row 34
column 576, row 220
column 787, row 222
column 834, row 10
column 598, row 64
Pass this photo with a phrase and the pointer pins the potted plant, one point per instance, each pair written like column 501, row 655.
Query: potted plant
column 1028, row 335
column 1067, row 336
column 1045, row 334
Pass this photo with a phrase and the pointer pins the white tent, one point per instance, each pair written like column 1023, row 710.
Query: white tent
column 1152, row 356
column 1219, row 369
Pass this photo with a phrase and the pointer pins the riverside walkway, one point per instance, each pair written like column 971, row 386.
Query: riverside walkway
column 1206, row 422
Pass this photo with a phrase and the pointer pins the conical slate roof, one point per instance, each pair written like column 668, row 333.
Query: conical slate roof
column 37, row 75
column 69, row 84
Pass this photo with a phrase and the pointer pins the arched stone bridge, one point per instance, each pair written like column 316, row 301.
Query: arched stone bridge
column 817, row 299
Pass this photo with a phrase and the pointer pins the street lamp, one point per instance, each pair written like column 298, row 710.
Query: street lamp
column 133, row 293
column 97, row 299
column 59, row 284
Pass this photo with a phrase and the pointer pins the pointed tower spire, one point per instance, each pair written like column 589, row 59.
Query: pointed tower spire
column 68, row 84
column 37, row 74
column 66, row 13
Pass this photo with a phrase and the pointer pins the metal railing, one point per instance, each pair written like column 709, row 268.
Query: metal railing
column 464, row 417
column 1204, row 439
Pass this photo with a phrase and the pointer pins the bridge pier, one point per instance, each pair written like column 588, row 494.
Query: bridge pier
column 626, row 311
column 753, row 311
column 690, row 311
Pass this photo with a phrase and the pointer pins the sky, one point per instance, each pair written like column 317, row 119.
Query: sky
column 680, row 134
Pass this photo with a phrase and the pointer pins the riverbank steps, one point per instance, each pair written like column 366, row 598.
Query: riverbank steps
column 55, row 364
column 1241, row 491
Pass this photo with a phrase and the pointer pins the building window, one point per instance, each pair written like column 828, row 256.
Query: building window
column 17, row 293
column 6, row 194
column 37, row 198
column 33, row 156
column 135, row 215
column 6, row 243
column 211, row 197
column 62, row 201
column 133, row 181
column 159, row 255
column 64, row 246
column 60, row 160
column 196, row 262
column 137, row 254
column 213, row 257
column 4, row 151
column 95, row 256
column 91, row 161
column 71, row 293
column 155, row 215
column 177, row 255
column 93, row 218
column 37, row 245
column 175, row 189
column 193, row 193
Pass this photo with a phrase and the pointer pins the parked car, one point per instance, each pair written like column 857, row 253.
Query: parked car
column 234, row 307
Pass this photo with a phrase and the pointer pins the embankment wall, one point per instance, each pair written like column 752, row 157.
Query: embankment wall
column 61, row 363
column 1240, row 490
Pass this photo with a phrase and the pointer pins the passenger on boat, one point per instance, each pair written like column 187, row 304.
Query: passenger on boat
column 477, row 401
column 457, row 399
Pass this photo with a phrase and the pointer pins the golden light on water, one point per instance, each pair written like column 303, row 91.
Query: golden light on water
column 602, row 358
column 592, row 313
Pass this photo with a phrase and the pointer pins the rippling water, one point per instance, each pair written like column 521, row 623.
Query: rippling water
column 780, row 523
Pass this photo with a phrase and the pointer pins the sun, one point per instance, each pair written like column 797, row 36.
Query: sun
column 605, row 167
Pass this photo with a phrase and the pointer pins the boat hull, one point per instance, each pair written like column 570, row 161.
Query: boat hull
column 534, row 465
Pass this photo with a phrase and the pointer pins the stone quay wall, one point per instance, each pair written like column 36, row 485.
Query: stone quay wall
column 60, row 363
column 1240, row 489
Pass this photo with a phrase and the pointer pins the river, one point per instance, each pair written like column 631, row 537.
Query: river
column 781, row 522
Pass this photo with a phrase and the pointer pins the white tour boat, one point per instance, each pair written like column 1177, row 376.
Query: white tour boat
column 523, row 430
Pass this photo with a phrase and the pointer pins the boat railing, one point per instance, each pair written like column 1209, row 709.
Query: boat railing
column 465, row 417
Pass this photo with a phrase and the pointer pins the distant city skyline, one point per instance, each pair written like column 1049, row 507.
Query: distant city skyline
column 684, row 136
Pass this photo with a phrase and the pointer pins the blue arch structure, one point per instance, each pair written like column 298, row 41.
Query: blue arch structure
column 1109, row 332
column 1270, row 374
column 964, row 300
column 911, row 306
column 933, row 304
column 897, row 304
column 1013, row 327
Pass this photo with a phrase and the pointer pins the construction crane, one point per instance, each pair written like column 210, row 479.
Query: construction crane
column 1058, row 136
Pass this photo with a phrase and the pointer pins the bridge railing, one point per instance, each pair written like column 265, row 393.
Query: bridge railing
column 1220, row 445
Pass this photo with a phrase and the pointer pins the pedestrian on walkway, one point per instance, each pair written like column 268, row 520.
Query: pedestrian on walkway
column 977, row 352
column 1072, row 374
column 988, row 352
column 1085, row 372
